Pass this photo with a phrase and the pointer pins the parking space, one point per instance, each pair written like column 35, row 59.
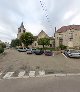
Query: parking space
column 20, row 61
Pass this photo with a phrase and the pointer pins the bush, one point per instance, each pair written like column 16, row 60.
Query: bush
column 1, row 50
column 63, row 47
column 51, row 49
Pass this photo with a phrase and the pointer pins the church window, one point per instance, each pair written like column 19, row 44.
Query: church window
column 35, row 44
column 23, row 31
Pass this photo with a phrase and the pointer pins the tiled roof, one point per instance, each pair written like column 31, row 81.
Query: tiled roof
column 43, row 33
column 70, row 27
column 51, row 38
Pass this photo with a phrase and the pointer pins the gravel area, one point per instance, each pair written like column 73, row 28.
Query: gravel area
column 12, row 60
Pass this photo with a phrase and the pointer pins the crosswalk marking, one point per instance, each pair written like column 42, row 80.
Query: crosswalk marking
column 41, row 73
column 21, row 74
column 8, row 75
column 0, row 73
column 32, row 74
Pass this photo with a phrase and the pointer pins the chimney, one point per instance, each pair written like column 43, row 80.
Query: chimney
column 55, row 32
column 55, row 29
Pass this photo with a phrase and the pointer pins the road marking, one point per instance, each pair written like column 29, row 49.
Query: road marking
column 21, row 74
column 8, row 75
column 32, row 74
column 64, row 55
column 41, row 73
column 0, row 73
column 58, row 75
column 73, row 74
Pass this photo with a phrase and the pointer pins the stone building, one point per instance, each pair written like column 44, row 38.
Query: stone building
column 42, row 34
column 21, row 30
column 68, row 36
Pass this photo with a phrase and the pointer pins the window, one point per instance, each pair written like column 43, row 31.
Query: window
column 70, row 39
column 35, row 44
column 50, row 45
column 23, row 31
column 19, row 30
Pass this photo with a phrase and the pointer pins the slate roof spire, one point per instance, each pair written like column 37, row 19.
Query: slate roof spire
column 22, row 26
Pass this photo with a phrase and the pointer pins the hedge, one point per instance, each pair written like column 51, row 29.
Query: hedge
column 1, row 50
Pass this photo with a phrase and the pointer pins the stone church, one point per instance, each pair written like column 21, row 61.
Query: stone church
column 42, row 34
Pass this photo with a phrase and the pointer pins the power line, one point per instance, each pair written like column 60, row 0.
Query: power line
column 44, row 8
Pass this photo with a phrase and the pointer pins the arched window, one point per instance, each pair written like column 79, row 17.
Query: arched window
column 23, row 31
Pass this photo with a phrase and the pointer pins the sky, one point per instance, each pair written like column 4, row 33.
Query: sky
column 36, row 15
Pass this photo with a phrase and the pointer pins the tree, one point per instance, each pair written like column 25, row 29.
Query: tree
column 27, row 39
column 15, row 42
column 44, row 41
column 2, row 45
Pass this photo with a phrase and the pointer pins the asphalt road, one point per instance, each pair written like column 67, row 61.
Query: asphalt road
column 46, row 84
column 13, row 61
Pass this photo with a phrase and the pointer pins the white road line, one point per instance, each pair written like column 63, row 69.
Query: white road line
column 64, row 55
column 21, row 74
column 0, row 73
column 8, row 75
column 32, row 74
column 58, row 75
column 41, row 73
column 73, row 74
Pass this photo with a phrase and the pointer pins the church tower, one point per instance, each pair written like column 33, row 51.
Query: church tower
column 21, row 30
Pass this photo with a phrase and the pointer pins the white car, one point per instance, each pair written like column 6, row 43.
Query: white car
column 21, row 50
column 29, row 51
column 74, row 54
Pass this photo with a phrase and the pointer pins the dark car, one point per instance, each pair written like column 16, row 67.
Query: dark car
column 39, row 52
column 33, row 50
column 48, row 53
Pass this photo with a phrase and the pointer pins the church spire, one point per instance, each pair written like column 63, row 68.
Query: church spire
column 22, row 26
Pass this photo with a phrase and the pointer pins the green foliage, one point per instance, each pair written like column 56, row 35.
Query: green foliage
column 44, row 41
column 51, row 49
column 15, row 42
column 27, row 38
column 2, row 45
column 63, row 47
column 1, row 50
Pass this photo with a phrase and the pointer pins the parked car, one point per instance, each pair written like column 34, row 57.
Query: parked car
column 72, row 53
column 39, row 52
column 67, row 52
column 48, row 53
column 29, row 51
column 21, row 49
column 33, row 50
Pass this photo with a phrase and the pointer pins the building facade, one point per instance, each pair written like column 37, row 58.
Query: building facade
column 42, row 34
column 68, row 36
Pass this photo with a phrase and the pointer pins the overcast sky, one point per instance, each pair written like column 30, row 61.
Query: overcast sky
column 36, row 15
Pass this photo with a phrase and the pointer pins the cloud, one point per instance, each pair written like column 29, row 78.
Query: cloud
column 13, row 12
